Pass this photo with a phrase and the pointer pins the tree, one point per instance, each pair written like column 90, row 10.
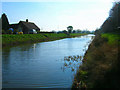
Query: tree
column 69, row 28
column 74, row 31
column 112, row 23
column 64, row 31
column 5, row 23
column 79, row 31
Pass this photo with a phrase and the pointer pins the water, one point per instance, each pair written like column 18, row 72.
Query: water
column 39, row 65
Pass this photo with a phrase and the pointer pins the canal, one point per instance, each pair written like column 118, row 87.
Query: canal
column 41, row 65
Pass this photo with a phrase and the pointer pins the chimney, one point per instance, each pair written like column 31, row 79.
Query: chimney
column 26, row 20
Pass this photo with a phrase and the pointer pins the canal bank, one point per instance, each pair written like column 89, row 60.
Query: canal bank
column 12, row 40
column 100, row 67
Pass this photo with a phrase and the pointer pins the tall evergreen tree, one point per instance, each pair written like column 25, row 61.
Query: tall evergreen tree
column 5, row 22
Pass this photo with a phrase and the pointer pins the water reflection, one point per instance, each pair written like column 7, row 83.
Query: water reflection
column 74, row 62
column 39, row 64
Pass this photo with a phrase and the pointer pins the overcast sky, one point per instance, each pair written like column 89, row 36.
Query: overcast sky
column 57, row 15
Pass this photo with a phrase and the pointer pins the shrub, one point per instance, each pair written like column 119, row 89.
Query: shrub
column 38, row 32
column 9, row 32
column 3, row 32
column 15, row 31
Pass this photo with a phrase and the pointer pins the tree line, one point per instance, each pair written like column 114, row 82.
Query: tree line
column 112, row 23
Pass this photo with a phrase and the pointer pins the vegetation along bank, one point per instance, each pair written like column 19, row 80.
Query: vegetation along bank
column 15, row 39
column 101, row 64
column 100, row 68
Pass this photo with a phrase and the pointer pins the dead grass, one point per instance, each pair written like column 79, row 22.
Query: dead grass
column 101, row 63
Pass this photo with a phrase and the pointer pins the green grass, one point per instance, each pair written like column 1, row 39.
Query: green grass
column 13, row 39
column 77, row 34
column 7, row 39
column 112, row 38
column 54, row 36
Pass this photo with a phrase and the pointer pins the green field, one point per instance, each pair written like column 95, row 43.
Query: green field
column 14, row 39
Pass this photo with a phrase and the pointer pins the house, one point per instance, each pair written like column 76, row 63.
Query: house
column 25, row 27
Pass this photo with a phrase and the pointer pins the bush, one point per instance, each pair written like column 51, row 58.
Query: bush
column 3, row 32
column 38, row 32
column 15, row 31
column 9, row 32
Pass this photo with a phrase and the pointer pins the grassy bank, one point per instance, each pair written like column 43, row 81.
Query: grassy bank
column 112, row 38
column 100, row 68
column 76, row 34
column 10, row 40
